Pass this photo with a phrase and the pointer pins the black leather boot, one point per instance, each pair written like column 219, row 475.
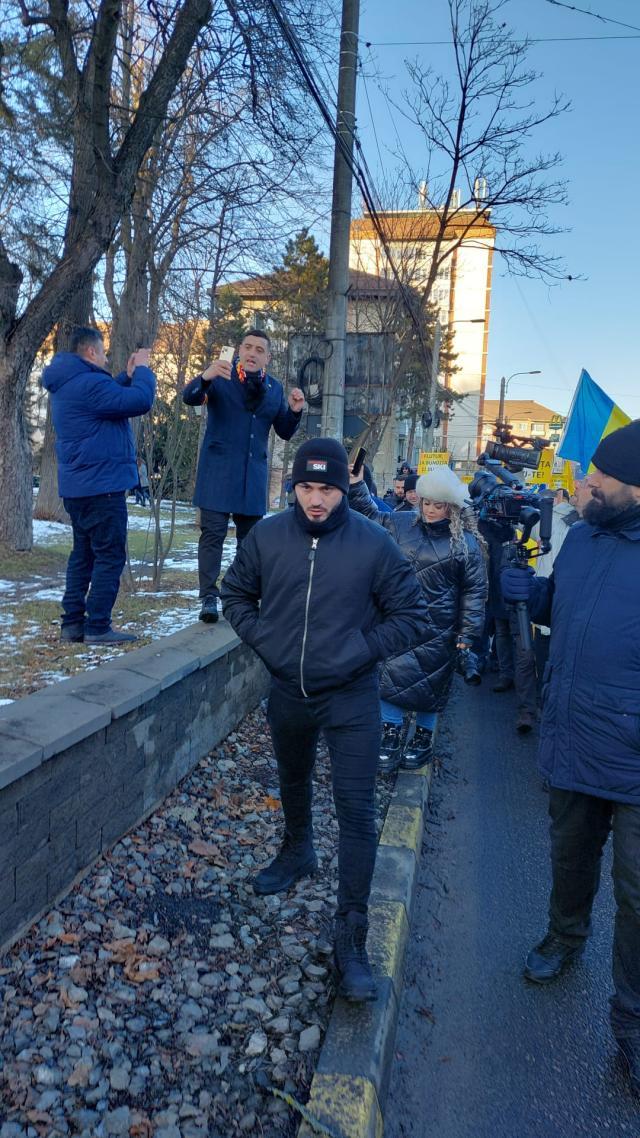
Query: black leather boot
column 390, row 749
column 547, row 960
column 419, row 751
column 295, row 860
column 355, row 978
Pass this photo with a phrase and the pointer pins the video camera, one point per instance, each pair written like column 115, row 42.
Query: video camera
column 515, row 451
column 501, row 499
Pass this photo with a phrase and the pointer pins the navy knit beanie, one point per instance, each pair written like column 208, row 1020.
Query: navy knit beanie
column 322, row 460
column 619, row 454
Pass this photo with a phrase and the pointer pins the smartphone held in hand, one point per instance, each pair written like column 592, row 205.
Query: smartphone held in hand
column 227, row 354
column 358, row 461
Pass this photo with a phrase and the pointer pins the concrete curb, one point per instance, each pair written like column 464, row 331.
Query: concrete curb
column 350, row 1084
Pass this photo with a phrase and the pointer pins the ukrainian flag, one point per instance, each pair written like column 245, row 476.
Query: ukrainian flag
column 592, row 416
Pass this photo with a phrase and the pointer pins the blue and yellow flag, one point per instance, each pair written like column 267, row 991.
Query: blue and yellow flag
column 592, row 416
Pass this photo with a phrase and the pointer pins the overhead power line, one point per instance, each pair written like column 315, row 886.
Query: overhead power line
column 528, row 40
column 594, row 15
column 358, row 168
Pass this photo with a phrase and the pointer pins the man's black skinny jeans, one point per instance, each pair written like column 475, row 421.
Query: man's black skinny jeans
column 349, row 718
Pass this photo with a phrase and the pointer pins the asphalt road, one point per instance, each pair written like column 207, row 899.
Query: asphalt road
column 480, row 1052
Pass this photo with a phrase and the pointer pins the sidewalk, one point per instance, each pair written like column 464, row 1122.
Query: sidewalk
column 481, row 1053
column 163, row 999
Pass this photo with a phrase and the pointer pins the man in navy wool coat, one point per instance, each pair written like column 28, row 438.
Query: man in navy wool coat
column 590, row 732
column 243, row 403
column 96, row 467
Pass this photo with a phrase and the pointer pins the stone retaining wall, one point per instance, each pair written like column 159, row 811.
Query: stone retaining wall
column 83, row 761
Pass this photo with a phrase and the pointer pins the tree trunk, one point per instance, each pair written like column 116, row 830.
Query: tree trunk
column 16, row 476
column 48, row 502
column 412, row 434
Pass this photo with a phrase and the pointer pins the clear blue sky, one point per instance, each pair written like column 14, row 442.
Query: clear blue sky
column 591, row 323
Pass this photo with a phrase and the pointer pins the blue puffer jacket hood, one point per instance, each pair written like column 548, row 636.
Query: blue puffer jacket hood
column 65, row 366
column 91, row 412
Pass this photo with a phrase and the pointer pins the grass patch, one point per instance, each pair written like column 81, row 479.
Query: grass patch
column 32, row 654
column 35, row 656
column 41, row 561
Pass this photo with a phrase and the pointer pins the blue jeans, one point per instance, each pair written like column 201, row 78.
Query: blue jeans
column 96, row 560
column 348, row 718
column 580, row 825
column 395, row 716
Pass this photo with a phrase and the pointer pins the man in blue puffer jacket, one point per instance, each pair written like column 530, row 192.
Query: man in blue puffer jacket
column 323, row 595
column 590, row 733
column 96, row 466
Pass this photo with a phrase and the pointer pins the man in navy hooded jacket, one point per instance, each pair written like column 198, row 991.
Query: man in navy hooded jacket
column 590, row 732
column 243, row 403
column 96, row 466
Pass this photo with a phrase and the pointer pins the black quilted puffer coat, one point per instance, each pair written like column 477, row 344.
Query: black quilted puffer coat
column 455, row 590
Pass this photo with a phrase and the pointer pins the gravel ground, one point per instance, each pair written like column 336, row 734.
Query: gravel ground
column 162, row 997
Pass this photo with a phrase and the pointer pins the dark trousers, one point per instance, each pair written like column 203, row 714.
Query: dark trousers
column 541, row 645
column 350, row 721
column 580, row 825
column 516, row 663
column 96, row 561
column 213, row 530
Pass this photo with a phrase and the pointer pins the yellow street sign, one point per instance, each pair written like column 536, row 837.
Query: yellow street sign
column 556, row 473
column 431, row 458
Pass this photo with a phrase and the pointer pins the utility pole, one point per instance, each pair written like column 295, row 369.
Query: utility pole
column 334, row 370
column 503, row 388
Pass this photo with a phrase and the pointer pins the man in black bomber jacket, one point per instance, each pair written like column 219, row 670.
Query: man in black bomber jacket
column 323, row 595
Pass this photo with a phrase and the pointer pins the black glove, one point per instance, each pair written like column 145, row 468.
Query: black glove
column 516, row 583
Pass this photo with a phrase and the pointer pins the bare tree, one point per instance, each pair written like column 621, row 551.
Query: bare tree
column 219, row 149
column 102, row 185
column 479, row 171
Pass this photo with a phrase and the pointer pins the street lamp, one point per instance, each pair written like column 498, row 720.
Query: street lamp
column 504, row 386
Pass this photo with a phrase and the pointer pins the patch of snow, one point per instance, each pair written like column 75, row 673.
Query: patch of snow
column 7, row 586
column 189, row 565
column 4, row 702
column 47, row 595
column 49, row 531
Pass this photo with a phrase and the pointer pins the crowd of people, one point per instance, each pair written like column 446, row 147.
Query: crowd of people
column 361, row 607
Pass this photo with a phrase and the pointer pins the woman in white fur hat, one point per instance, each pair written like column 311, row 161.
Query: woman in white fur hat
column 441, row 541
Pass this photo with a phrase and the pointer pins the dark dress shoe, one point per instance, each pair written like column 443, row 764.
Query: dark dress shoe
column 630, row 1052
column 295, row 860
column 546, row 961
column 503, row 684
column 113, row 636
column 72, row 633
column 209, row 611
